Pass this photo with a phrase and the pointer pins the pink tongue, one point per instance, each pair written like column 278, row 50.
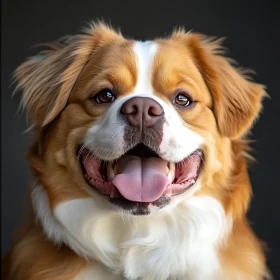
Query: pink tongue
column 141, row 179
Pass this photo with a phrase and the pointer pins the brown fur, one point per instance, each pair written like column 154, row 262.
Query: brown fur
column 56, row 85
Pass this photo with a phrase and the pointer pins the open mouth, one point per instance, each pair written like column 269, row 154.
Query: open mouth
column 140, row 177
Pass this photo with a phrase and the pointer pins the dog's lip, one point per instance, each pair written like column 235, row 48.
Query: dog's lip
column 98, row 179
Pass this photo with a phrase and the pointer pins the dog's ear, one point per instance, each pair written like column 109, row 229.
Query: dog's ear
column 47, row 79
column 236, row 99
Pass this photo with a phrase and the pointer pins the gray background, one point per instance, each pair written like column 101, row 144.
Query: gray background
column 253, row 39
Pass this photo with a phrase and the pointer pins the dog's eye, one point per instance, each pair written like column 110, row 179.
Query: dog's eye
column 182, row 100
column 105, row 96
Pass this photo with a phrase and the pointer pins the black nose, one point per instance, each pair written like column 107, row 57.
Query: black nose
column 142, row 111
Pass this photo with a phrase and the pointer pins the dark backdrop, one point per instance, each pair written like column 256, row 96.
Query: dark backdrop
column 253, row 37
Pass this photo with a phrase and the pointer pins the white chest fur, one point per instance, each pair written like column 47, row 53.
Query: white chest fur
column 177, row 243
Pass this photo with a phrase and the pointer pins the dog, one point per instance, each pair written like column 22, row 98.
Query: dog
column 139, row 157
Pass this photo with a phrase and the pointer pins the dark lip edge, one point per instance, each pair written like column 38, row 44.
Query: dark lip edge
column 199, row 150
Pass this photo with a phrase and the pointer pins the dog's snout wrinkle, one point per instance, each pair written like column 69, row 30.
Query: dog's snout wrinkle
column 142, row 111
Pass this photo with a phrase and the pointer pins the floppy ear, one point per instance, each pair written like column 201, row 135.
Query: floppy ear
column 236, row 99
column 48, row 78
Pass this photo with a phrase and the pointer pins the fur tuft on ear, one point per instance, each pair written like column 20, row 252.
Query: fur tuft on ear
column 236, row 99
column 47, row 79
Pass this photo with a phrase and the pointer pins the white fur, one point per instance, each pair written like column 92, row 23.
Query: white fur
column 105, row 138
column 181, row 244
column 145, row 53
column 179, row 141
column 41, row 206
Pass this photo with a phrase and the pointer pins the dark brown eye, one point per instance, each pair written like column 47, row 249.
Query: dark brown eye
column 182, row 100
column 105, row 96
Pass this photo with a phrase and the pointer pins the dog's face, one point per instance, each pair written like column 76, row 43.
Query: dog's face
column 140, row 125
column 143, row 147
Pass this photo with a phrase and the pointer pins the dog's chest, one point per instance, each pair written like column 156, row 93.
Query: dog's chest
column 167, row 248
column 180, row 244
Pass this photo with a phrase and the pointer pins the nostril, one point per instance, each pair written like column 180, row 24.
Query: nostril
column 134, row 110
column 129, row 109
column 151, row 112
column 155, row 111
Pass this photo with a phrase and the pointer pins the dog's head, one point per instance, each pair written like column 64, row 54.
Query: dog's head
column 135, row 125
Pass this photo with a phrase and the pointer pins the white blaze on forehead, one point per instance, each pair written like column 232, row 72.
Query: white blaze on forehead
column 145, row 54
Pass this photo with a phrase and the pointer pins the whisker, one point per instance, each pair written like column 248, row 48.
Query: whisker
column 82, row 148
